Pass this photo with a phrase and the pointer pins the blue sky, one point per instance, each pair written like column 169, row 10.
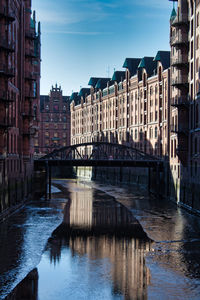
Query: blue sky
column 85, row 38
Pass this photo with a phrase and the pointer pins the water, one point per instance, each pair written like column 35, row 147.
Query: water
column 84, row 244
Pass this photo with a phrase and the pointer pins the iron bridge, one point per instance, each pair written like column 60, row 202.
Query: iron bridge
column 102, row 154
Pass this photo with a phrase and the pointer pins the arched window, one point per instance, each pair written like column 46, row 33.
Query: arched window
column 144, row 79
column 160, row 74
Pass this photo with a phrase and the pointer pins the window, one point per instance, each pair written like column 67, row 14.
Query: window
column 197, row 42
column 136, row 134
column 46, row 133
column 156, row 132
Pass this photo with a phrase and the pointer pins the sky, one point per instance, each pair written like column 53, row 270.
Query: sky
column 92, row 38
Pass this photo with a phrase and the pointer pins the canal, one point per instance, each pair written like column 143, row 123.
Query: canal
column 98, row 241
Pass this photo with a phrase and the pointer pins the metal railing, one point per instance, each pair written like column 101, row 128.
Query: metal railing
column 5, row 96
column 180, row 80
column 180, row 19
column 30, row 34
column 6, row 71
column 30, row 53
column 182, row 59
column 10, row 16
column 6, row 44
column 181, row 38
column 179, row 101
column 179, row 128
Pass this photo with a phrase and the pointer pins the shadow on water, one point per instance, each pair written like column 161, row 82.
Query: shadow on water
column 97, row 252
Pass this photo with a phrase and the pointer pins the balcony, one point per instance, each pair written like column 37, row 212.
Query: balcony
column 28, row 113
column 182, row 60
column 180, row 81
column 30, row 53
column 6, row 123
column 179, row 40
column 30, row 94
column 6, row 97
column 180, row 129
column 32, row 76
column 30, row 35
column 8, row 15
column 5, row 71
column 180, row 102
column 180, row 20
column 7, row 45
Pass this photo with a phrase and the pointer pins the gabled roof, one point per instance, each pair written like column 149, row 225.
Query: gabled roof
column 93, row 81
column 84, row 91
column 119, row 76
column 164, row 58
column 132, row 65
column 102, row 83
column 149, row 64
column 75, row 97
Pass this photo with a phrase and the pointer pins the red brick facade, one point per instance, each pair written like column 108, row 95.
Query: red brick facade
column 19, row 98
column 54, row 131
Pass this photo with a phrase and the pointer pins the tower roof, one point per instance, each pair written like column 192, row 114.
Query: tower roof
column 173, row 15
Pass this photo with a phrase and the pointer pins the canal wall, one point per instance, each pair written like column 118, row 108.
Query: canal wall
column 14, row 191
column 151, row 179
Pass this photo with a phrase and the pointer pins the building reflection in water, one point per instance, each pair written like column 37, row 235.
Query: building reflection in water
column 96, row 225
column 99, row 231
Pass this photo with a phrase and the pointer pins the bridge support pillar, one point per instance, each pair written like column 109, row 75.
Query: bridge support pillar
column 49, row 181
column 120, row 174
column 149, row 179
column 46, row 180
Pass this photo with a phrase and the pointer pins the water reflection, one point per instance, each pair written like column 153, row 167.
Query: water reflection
column 98, row 252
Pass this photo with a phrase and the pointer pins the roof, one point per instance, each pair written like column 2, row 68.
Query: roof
column 84, row 91
column 149, row 64
column 118, row 76
column 93, row 81
column 75, row 96
column 164, row 58
column 173, row 15
column 102, row 83
column 132, row 65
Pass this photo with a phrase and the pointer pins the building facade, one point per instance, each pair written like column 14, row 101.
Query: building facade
column 19, row 98
column 54, row 129
column 153, row 106
column 185, row 97
column 131, row 108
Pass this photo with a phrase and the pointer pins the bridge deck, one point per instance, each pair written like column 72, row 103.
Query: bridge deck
column 100, row 163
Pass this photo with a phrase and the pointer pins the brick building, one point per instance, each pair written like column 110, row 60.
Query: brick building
column 131, row 108
column 153, row 105
column 185, row 99
column 19, row 98
column 54, row 122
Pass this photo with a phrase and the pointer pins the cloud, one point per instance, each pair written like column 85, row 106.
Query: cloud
column 78, row 32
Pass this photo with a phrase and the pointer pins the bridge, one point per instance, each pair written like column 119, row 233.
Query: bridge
column 98, row 154
column 101, row 154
